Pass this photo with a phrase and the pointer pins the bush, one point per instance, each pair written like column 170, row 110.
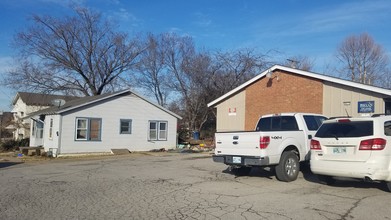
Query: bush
column 25, row 142
column 12, row 145
column 9, row 145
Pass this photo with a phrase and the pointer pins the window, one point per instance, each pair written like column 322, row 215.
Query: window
column 282, row 123
column 387, row 128
column 88, row 129
column 157, row 130
column 33, row 129
column 125, row 126
column 345, row 129
column 51, row 128
column 39, row 129
column 81, row 129
column 152, row 130
column 313, row 122
column 162, row 131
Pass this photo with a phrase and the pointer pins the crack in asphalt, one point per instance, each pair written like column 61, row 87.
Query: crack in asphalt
column 349, row 211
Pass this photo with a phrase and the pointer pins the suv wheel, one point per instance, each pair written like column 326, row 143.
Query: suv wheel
column 328, row 180
column 288, row 168
column 240, row 171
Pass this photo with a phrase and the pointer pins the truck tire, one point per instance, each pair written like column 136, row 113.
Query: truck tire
column 240, row 171
column 288, row 169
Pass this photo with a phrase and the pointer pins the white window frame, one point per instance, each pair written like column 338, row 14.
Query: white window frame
column 159, row 134
column 87, row 129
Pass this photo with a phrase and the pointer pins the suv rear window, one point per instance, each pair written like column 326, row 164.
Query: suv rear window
column 278, row 123
column 345, row 129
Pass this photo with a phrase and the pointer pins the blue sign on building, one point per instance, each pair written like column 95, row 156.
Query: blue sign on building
column 366, row 107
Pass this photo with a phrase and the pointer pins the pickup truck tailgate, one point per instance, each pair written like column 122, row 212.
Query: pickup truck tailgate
column 240, row 143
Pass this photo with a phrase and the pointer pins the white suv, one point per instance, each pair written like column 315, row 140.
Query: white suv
column 353, row 147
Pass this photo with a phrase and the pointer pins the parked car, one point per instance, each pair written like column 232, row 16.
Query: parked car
column 279, row 141
column 353, row 147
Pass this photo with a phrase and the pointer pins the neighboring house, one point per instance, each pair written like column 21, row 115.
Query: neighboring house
column 6, row 126
column 94, row 124
column 285, row 89
column 26, row 102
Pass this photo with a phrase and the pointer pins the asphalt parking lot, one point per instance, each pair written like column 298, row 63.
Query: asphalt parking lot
column 175, row 186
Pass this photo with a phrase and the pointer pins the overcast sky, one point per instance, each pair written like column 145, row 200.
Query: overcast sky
column 292, row 27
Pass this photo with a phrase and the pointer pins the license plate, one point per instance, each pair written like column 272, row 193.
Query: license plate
column 236, row 160
column 339, row 150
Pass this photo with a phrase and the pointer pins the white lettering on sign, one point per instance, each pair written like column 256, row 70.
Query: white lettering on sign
column 366, row 107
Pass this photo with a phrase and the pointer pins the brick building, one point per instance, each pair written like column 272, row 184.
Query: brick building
column 284, row 89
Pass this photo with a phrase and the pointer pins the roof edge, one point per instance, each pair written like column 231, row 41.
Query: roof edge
column 59, row 111
column 244, row 85
column 302, row 73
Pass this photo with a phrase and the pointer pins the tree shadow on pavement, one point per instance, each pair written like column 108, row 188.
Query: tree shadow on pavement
column 8, row 164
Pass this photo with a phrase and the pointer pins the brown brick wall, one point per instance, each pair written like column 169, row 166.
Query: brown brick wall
column 290, row 93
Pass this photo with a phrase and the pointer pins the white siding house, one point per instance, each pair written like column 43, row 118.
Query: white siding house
column 101, row 123
column 24, row 104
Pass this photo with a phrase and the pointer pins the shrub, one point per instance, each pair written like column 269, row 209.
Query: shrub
column 9, row 145
column 12, row 145
column 25, row 142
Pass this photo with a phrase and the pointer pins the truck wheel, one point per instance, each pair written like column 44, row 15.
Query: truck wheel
column 240, row 171
column 288, row 168
column 328, row 180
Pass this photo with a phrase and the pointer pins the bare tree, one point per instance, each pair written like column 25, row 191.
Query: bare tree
column 236, row 67
column 362, row 59
column 185, row 80
column 300, row 62
column 76, row 55
column 152, row 70
column 179, row 53
column 200, row 77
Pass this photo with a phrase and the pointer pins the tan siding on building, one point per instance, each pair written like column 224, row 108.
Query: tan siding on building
column 338, row 100
column 287, row 93
column 231, row 113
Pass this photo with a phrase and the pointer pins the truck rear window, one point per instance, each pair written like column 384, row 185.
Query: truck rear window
column 345, row 129
column 279, row 123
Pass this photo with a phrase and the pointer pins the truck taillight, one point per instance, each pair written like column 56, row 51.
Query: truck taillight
column 315, row 145
column 373, row 144
column 264, row 142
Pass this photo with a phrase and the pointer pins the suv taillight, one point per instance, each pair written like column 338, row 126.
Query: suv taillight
column 373, row 144
column 315, row 145
column 264, row 142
